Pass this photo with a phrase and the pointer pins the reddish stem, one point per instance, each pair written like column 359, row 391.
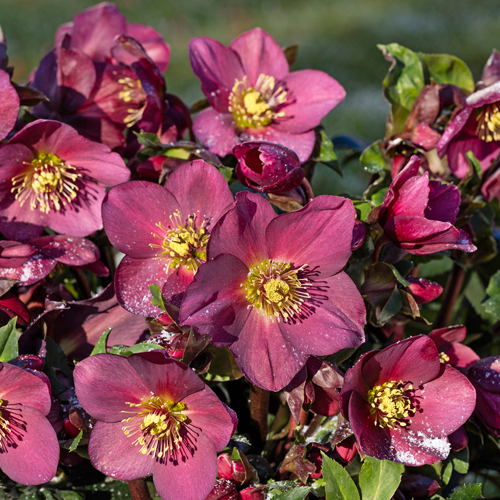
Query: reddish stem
column 450, row 296
column 259, row 408
column 306, row 186
column 139, row 489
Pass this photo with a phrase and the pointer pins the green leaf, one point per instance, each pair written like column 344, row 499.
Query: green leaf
column 379, row 479
column 472, row 181
column 68, row 495
column 448, row 69
column 398, row 275
column 147, row 139
column 157, row 299
column 467, row 492
column 447, row 473
column 298, row 493
column 123, row 350
column 373, row 159
column 76, row 441
column 363, row 208
column 8, row 341
column 326, row 152
column 339, row 485
column 56, row 358
column 223, row 367
column 101, row 346
column 227, row 172
column 392, row 307
column 460, row 461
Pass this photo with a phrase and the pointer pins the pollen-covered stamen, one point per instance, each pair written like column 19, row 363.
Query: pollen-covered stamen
column 488, row 123
column 133, row 93
column 276, row 289
column 156, row 426
column 258, row 106
column 184, row 244
column 47, row 183
column 4, row 427
column 444, row 358
column 391, row 404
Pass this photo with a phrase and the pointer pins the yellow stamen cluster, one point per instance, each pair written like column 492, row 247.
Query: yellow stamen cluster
column 156, row 426
column 184, row 244
column 444, row 358
column 391, row 404
column 48, row 183
column 275, row 288
column 4, row 427
column 488, row 123
column 132, row 92
column 255, row 107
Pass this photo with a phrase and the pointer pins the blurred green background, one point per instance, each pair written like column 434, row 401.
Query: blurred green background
column 339, row 37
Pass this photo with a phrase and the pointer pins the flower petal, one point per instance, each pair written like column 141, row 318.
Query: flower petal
column 9, row 105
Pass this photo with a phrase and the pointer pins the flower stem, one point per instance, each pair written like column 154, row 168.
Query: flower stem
column 450, row 296
column 259, row 408
column 306, row 186
column 139, row 489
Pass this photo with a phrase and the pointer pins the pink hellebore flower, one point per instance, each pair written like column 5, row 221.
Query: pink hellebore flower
column 253, row 95
column 485, row 377
column 9, row 105
column 51, row 176
column 154, row 416
column 273, row 289
column 419, row 214
column 451, row 351
column 29, row 451
column 403, row 403
column 268, row 167
column 163, row 231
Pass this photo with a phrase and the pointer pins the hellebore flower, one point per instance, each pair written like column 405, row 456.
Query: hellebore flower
column 403, row 403
column 29, row 451
column 447, row 341
column 475, row 127
column 31, row 261
column 163, row 231
column 419, row 214
column 268, row 167
column 154, row 416
column 51, row 176
column 253, row 95
column 273, row 289
column 9, row 105
column 485, row 377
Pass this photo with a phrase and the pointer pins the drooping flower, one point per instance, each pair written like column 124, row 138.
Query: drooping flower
column 51, row 176
column 29, row 451
column 419, row 214
column 450, row 349
column 9, row 105
column 253, row 95
column 273, row 289
column 163, row 231
column 485, row 377
column 267, row 167
column 403, row 403
column 154, row 416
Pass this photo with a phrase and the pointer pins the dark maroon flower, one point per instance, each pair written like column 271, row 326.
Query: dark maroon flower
column 29, row 451
column 9, row 105
column 418, row 485
column 268, row 167
column 253, row 95
column 31, row 261
column 346, row 451
column 154, row 416
column 11, row 306
column 51, row 176
column 419, row 214
column 485, row 377
column 450, row 349
column 403, row 403
column 163, row 231
column 475, row 127
column 273, row 289
column 94, row 33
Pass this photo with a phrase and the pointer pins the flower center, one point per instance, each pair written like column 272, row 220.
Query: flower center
column 256, row 107
column 132, row 92
column 488, row 123
column 276, row 289
column 444, row 358
column 156, row 426
column 48, row 183
column 391, row 404
column 185, row 244
column 4, row 427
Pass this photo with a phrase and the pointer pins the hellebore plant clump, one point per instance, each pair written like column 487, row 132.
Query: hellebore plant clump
column 181, row 316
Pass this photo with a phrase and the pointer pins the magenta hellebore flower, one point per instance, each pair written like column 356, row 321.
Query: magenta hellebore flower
column 253, row 95
column 163, row 231
column 403, row 403
column 154, row 416
column 485, row 377
column 450, row 349
column 273, row 289
column 29, row 451
column 51, row 176
column 9, row 105
column 419, row 214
